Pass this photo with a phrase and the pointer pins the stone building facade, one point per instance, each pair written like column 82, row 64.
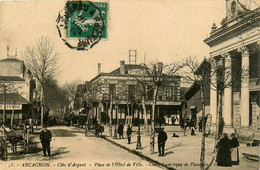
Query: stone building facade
column 236, row 43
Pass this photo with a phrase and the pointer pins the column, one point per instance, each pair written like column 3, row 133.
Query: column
column 213, row 91
column 227, row 110
column 244, row 87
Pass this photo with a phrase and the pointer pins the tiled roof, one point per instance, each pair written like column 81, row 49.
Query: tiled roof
column 13, row 97
column 11, row 78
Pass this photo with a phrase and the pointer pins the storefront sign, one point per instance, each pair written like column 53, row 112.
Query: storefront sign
column 10, row 107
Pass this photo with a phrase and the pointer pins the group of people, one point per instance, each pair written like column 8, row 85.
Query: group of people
column 227, row 151
column 120, row 131
column 162, row 137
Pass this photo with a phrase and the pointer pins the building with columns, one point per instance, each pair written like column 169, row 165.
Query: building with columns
column 235, row 45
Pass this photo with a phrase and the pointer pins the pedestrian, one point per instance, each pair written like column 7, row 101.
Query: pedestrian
column 192, row 125
column 160, row 122
column 129, row 133
column 200, row 125
column 173, row 120
column 45, row 137
column 182, row 123
column 234, row 150
column 121, row 130
column 224, row 154
column 162, row 137
column 13, row 140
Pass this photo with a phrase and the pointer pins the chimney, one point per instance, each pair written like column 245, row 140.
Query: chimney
column 7, row 49
column 99, row 68
column 214, row 27
column 160, row 66
column 122, row 67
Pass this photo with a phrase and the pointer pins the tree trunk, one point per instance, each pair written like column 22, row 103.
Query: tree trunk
column 152, row 120
column 12, row 116
column 99, row 113
column 219, row 115
column 144, row 113
column 202, row 152
column 128, row 109
column 42, row 106
column 111, row 116
column 4, row 106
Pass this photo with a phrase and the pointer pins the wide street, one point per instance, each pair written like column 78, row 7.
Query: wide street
column 71, row 149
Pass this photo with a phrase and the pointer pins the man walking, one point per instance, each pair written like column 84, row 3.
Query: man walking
column 162, row 137
column 45, row 137
column 120, row 131
column 129, row 133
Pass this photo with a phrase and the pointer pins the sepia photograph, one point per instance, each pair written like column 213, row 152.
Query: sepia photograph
column 129, row 84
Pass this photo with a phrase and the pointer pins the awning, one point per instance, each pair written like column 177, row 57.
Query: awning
column 11, row 98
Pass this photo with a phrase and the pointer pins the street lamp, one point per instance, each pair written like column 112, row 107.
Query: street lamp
column 138, row 144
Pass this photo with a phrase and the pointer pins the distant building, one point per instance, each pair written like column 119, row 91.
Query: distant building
column 236, row 43
column 192, row 96
column 20, row 90
column 122, row 84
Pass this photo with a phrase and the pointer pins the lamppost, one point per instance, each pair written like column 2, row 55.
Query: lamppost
column 138, row 144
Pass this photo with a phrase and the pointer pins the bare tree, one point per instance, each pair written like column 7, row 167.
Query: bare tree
column 42, row 60
column 141, row 93
column 159, row 76
column 217, row 74
column 191, row 74
column 57, row 99
column 71, row 90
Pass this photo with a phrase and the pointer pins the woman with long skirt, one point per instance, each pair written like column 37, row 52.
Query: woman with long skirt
column 234, row 150
column 224, row 154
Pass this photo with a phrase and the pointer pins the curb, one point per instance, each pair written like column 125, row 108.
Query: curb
column 139, row 154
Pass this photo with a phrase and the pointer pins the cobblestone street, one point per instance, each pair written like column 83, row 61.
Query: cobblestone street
column 71, row 149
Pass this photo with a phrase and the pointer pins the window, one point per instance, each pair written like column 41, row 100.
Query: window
column 20, row 116
column 112, row 90
column 169, row 93
column 16, row 116
column 149, row 93
column 131, row 92
column 175, row 92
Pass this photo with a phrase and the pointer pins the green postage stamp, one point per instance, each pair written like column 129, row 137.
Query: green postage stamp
column 82, row 24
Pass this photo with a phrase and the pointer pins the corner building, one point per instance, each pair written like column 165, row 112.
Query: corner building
column 122, row 84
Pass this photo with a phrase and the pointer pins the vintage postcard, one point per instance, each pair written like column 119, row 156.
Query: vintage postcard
column 129, row 84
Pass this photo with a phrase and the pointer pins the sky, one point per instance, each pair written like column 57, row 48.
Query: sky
column 166, row 31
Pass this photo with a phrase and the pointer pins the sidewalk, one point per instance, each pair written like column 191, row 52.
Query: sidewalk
column 182, row 152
